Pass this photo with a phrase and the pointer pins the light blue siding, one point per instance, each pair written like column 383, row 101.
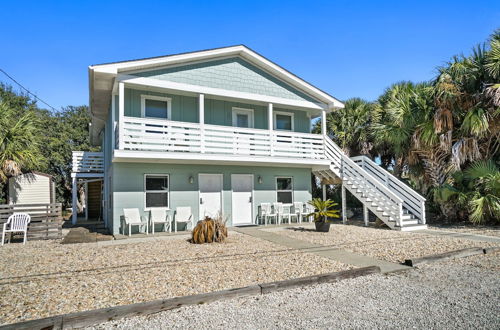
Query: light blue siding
column 128, row 185
column 233, row 74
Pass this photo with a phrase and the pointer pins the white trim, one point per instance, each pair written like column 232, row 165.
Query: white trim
column 121, row 113
column 157, row 191
column 209, row 159
column 253, row 199
column 196, row 89
column 242, row 51
column 221, row 193
column 145, row 97
column 283, row 113
column 243, row 111
column 276, row 185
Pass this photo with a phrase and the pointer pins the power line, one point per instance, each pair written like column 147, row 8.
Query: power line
column 27, row 91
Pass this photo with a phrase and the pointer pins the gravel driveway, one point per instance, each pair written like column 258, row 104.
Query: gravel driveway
column 461, row 293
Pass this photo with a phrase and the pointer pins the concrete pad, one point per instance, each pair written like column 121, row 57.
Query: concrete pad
column 336, row 254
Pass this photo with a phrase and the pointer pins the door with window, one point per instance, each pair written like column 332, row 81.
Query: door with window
column 210, row 195
column 243, row 140
column 242, row 203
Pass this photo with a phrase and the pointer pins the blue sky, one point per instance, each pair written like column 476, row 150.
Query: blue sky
column 346, row 48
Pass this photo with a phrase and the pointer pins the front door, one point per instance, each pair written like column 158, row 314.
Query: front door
column 210, row 195
column 242, row 204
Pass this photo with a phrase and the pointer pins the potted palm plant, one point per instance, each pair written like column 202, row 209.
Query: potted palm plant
column 322, row 211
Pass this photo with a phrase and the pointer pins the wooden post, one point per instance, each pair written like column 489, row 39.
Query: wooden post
column 270, row 126
column 73, row 201
column 323, row 122
column 121, row 114
column 344, row 206
column 324, row 191
column 201, row 109
column 365, row 215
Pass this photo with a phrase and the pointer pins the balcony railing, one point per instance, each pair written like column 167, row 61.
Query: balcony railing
column 141, row 134
column 87, row 162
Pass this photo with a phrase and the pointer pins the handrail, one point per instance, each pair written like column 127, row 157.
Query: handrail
column 386, row 173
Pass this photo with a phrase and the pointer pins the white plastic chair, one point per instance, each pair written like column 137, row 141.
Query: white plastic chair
column 309, row 209
column 160, row 216
column 278, row 210
column 183, row 214
column 17, row 223
column 298, row 209
column 265, row 212
column 133, row 218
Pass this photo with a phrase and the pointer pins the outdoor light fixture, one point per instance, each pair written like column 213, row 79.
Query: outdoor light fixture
column 259, row 179
column 191, row 179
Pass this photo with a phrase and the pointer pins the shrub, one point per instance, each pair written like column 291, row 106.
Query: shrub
column 210, row 230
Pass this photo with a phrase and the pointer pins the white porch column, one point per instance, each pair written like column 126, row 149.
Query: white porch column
column 344, row 206
column 323, row 122
column 73, row 201
column 121, row 114
column 86, row 201
column 201, row 110
column 270, row 125
column 324, row 191
column 113, row 121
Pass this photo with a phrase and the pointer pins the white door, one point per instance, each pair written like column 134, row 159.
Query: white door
column 210, row 195
column 242, row 204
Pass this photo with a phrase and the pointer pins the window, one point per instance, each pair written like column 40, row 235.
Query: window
column 155, row 107
column 242, row 117
column 156, row 190
column 284, row 190
column 283, row 121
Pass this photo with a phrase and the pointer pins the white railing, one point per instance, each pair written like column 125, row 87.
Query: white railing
column 87, row 162
column 174, row 136
column 352, row 172
column 412, row 201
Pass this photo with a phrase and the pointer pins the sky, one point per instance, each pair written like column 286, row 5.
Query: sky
column 346, row 48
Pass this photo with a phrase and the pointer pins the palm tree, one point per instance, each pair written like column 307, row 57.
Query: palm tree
column 349, row 127
column 18, row 141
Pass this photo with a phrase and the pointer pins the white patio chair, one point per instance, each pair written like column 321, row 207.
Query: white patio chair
column 265, row 212
column 133, row 218
column 309, row 209
column 17, row 223
column 279, row 210
column 160, row 216
column 183, row 214
column 298, row 209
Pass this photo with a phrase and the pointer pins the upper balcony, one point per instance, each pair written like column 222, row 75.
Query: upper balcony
column 146, row 137
column 87, row 164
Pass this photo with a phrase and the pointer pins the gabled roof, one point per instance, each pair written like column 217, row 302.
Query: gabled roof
column 102, row 76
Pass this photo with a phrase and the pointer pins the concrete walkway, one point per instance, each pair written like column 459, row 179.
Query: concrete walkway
column 336, row 254
column 454, row 234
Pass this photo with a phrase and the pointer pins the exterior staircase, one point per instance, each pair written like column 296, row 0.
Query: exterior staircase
column 392, row 201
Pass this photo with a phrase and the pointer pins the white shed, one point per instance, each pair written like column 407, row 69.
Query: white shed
column 31, row 188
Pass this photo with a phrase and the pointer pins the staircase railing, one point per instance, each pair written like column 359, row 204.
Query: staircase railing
column 412, row 201
column 392, row 204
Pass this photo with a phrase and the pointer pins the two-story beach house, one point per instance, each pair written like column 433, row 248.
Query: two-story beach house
column 220, row 130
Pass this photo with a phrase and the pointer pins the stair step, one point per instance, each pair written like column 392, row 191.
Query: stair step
column 411, row 227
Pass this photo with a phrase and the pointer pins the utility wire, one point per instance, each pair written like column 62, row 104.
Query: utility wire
column 27, row 91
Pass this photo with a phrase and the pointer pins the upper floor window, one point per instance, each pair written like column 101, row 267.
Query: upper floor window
column 242, row 117
column 156, row 107
column 283, row 121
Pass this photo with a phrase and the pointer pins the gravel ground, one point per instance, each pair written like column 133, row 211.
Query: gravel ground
column 476, row 230
column 384, row 244
column 457, row 294
column 45, row 278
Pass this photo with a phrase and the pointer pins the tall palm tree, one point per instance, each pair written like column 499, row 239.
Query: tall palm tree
column 349, row 127
column 18, row 141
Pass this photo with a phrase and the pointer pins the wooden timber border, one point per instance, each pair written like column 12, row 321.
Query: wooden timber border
column 46, row 219
column 96, row 316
